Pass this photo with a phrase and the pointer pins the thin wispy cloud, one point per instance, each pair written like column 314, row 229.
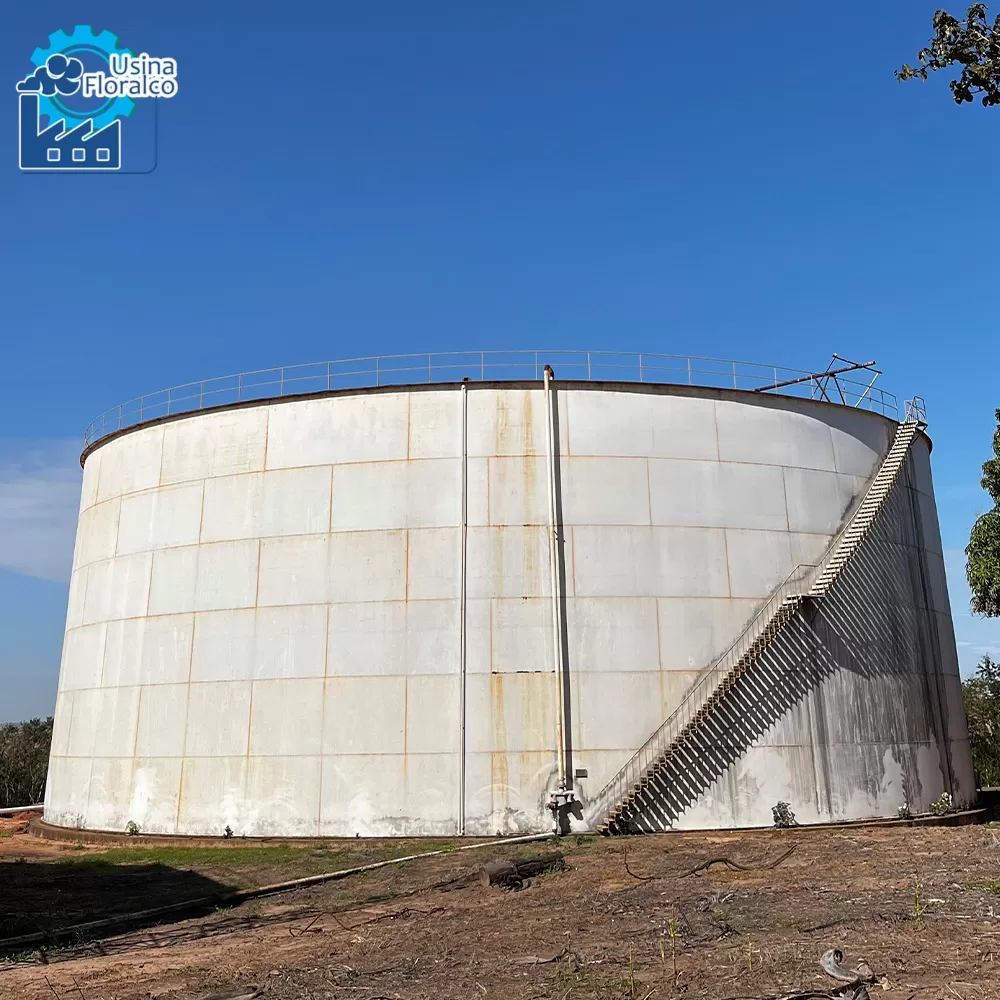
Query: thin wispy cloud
column 39, row 501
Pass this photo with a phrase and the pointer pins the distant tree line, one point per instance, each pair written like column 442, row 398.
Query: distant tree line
column 24, row 761
column 982, row 709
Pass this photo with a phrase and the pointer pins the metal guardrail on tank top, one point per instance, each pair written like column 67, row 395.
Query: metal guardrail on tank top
column 499, row 366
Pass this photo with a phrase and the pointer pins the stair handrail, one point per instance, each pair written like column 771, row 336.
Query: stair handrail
column 912, row 419
column 701, row 689
column 915, row 412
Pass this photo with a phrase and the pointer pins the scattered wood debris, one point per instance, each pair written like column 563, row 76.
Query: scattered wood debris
column 513, row 873
column 736, row 866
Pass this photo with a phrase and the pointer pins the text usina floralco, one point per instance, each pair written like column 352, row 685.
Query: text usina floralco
column 133, row 76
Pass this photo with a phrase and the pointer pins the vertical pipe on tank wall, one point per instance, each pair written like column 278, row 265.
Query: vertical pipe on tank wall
column 554, row 578
column 462, row 607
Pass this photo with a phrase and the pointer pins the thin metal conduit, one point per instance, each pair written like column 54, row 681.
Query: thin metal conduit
column 554, row 577
column 462, row 607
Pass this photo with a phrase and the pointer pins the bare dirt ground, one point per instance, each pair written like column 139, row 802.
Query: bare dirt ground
column 921, row 906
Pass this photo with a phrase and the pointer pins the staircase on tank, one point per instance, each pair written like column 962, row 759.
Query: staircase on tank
column 668, row 744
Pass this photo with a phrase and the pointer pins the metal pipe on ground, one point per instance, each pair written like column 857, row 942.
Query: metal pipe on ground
column 14, row 810
column 239, row 896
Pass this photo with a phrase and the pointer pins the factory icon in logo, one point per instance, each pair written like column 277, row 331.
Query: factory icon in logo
column 72, row 105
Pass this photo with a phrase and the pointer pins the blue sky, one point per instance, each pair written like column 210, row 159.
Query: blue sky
column 383, row 177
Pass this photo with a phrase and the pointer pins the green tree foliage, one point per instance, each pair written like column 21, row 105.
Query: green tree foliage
column 982, row 709
column 973, row 44
column 24, row 761
column 983, row 550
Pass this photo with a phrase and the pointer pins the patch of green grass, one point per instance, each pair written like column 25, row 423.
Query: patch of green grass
column 993, row 886
column 17, row 956
column 243, row 865
column 316, row 858
column 571, row 982
column 190, row 857
column 421, row 846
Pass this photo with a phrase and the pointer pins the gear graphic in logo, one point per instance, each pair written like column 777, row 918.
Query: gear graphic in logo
column 93, row 50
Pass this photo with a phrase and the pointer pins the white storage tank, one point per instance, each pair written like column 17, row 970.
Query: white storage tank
column 448, row 607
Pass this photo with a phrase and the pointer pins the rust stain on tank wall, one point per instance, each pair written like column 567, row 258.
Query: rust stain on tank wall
column 528, row 441
column 497, row 705
column 499, row 772
column 406, row 565
column 409, row 421
column 514, row 425
column 498, row 538
column 528, row 485
column 513, row 446
column 406, row 718
column 528, row 536
column 502, row 424
column 537, row 714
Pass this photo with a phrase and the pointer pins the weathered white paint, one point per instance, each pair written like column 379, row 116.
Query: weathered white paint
column 266, row 605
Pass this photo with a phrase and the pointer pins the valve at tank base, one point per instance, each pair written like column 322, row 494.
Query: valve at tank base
column 561, row 804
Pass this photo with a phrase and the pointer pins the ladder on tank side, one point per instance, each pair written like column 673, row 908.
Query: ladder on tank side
column 629, row 786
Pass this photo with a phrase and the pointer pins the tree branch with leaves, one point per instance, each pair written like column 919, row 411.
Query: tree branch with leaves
column 973, row 44
column 983, row 550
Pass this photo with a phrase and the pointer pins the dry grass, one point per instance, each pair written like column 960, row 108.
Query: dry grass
column 921, row 906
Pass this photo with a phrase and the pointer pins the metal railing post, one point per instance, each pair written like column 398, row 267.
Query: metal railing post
column 640, row 368
column 429, row 379
column 377, row 373
column 868, row 389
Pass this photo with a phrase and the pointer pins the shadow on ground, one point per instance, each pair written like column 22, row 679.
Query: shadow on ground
column 49, row 898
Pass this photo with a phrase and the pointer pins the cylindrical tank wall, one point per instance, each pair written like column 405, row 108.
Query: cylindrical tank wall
column 264, row 617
